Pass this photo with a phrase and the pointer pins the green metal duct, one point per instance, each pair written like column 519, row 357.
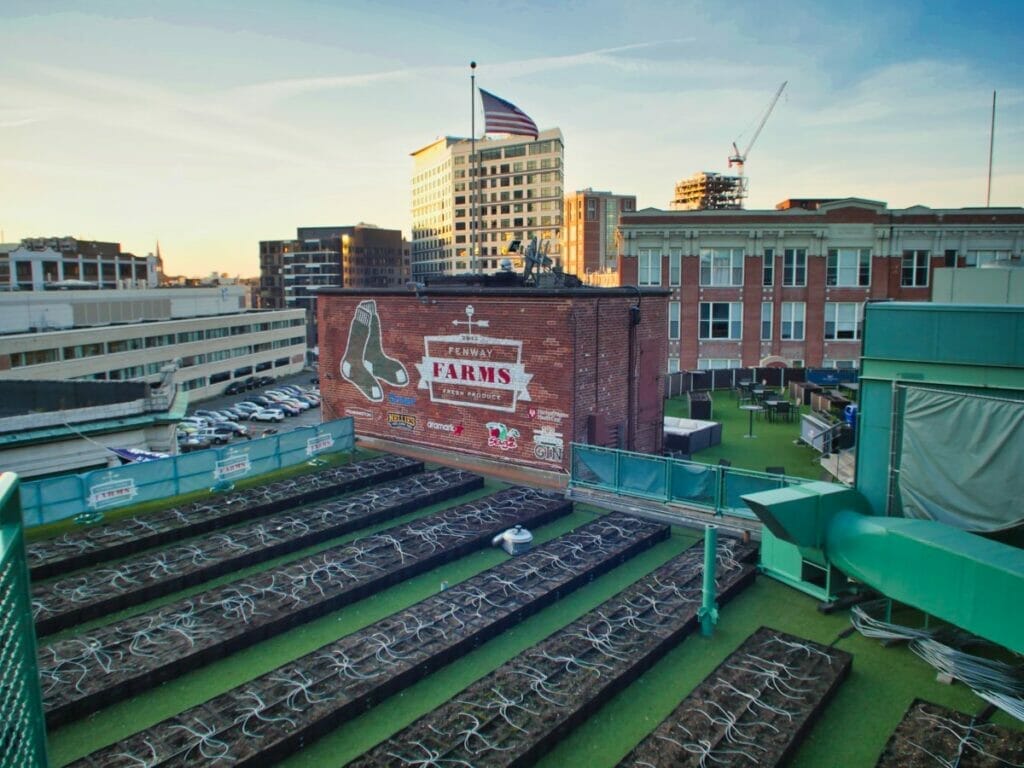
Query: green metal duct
column 964, row 579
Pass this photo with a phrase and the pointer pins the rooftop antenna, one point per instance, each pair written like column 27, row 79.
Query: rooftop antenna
column 991, row 143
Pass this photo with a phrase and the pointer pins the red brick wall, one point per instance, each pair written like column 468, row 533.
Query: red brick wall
column 519, row 389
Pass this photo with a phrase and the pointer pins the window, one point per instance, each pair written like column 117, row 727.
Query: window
column 675, row 264
column 915, row 269
column 649, row 266
column 827, row 363
column 716, row 363
column 848, row 267
column 673, row 319
column 794, row 267
column 768, row 267
column 673, row 365
column 980, row 258
column 766, row 321
column 592, row 209
column 721, row 266
column 721, row 320
column 792, row 321
column 842, row 320
column 796, row 363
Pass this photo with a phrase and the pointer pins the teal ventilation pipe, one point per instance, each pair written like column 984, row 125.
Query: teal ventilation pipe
column 959, row 577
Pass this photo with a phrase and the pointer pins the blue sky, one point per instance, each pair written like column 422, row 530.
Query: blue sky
column 212, row 125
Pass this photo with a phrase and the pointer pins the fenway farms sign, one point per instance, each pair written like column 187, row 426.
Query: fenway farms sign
column 472, row 370
column 447, row 389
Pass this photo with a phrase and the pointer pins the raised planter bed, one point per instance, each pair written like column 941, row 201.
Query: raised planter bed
column 690, row 435
column 60, row 604
column 99, row 543
column 518, row 712
column 99, row 667
column 930, row 735
column 754, row 709
column 273, row 715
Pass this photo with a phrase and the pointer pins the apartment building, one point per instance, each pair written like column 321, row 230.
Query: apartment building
column 519, row 197
column 589, row 246
column 359, row 256
column 788, row 286
column 39, row 263
column 132, row 335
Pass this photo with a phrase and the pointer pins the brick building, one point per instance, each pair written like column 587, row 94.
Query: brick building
column 590, row 248
column 505, row 375
column 788, row 286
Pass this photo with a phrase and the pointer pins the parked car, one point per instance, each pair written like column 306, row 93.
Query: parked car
column 231, row 427
column 288, row 409
column 196, row 421
column 214, row 435
column 264, row 381
column 234, row 388
column 315, row 380
column 250, row 382
column 267, row 414
column 235, row 413
column 261, row 401
column 245, row 408
column 203, row 414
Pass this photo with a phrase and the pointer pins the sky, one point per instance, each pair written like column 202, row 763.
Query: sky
column 209, row 126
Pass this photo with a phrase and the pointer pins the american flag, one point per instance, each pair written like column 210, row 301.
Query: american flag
column 501, row 116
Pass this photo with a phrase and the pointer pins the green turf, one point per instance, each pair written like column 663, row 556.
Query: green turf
column 775, row 443
column 120, row 720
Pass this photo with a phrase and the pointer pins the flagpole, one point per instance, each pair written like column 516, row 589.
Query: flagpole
column 474, row 181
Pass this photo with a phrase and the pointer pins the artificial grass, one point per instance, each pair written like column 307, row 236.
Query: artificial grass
column 854, row 727
column 359, row 735
column 774, row 444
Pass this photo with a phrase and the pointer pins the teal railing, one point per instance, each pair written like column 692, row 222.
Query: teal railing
column 22, row 724
column 714, row 489
column 92, row 493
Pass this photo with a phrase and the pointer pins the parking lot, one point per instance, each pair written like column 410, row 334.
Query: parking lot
column 257, row 428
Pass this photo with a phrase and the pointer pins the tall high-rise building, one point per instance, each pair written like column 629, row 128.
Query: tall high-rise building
column 588, row 243
column 519, row 197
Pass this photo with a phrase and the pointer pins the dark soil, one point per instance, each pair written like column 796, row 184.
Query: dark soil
column 519, row 711
column 112, row 662
column 754, row 709
column 60, row 604
column 100, row 543
column 930, row 735
column 272, row 716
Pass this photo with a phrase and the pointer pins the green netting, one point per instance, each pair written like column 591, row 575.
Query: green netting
column 694, row 483
column 716, row 488
column 22, row 724
column 46, row 501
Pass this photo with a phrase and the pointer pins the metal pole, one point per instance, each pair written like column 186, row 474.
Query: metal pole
column 708, row 613
column 474, row 179
column 991, row 142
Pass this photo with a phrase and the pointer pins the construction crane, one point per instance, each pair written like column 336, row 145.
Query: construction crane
column 738, row 158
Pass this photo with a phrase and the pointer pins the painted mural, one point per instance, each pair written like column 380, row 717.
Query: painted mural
column 454, row 377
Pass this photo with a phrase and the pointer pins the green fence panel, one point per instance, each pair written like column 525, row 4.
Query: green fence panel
column 594, row 466
column 642, row 475
column 58, row 498
column 693, row 483
column 737, row 482
column 22, row 723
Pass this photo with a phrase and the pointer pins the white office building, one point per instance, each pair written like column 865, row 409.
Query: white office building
column 520, row 197
column 130, row 335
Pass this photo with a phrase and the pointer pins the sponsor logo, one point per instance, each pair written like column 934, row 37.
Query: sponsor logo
column 548, row 445
column 401, row 421
column 315, row 445
column 452, row 429
column 500, row 436
column 400, row 399
column 111, row 492
column 467, row 369
column 360, row 413
column 235, row 464
column 547, row 414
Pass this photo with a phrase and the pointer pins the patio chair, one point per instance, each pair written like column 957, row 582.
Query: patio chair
column 783, row 411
